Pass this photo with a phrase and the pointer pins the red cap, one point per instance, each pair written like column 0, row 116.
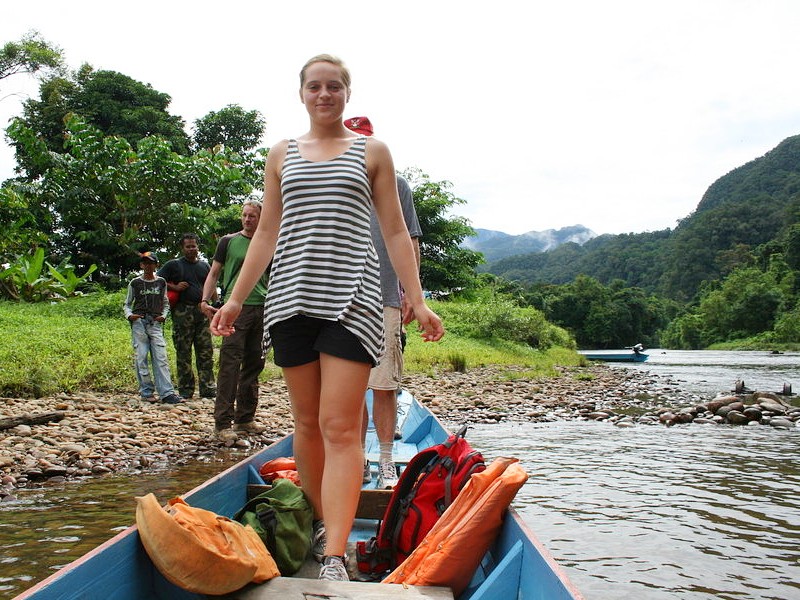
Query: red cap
column 359, row 125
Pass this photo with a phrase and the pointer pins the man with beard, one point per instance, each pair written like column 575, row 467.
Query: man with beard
column 241, row 358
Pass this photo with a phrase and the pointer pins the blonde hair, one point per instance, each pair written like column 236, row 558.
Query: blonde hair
column 254, row 201
column 328, row 58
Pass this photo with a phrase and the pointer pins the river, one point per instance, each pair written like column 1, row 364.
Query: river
column 693, row 512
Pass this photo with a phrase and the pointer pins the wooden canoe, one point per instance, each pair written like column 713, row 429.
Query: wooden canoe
column 516, row 566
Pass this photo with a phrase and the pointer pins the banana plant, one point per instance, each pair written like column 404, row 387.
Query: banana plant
column 65, row 275
column 23, row 278
column 26, row 279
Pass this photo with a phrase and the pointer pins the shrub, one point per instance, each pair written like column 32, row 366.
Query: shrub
column 501, row 318
column 787, row 327
column 458, row 362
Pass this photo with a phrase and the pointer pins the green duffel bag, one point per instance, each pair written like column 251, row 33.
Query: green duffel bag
column 282, row 518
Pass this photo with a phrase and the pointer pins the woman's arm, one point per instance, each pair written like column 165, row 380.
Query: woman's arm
column 262, row 246
column 395, row 235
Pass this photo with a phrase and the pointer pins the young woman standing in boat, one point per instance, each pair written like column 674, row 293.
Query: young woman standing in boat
column 323, row 311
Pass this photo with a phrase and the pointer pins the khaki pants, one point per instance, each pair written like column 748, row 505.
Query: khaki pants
column 240, row 363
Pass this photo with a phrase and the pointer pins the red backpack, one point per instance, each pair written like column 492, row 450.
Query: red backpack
column 428, row 485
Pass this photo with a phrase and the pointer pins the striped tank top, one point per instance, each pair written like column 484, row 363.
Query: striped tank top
column 325, row 265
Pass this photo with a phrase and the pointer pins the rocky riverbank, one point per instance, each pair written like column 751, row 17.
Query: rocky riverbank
column 92, row 434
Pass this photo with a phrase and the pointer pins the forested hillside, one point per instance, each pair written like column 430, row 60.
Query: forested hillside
column 748, row 208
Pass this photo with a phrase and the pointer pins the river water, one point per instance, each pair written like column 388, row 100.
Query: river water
column 649, row 512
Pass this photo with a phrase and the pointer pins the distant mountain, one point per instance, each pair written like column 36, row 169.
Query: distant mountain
column 496, row 245
column 743, row 216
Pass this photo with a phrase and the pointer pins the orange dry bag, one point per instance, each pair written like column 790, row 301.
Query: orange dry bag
column 200, row 551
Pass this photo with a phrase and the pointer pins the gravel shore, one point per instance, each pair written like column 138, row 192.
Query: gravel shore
column 95, row 434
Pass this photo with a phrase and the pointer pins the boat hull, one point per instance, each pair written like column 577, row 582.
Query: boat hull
column 615, row 356
column 517, row 565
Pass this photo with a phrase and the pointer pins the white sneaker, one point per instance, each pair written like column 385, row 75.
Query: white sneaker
column 333, row 569
column 367, row 477
column 387, row 475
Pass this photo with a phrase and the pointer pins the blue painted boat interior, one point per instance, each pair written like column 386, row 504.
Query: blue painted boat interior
column 121, row 570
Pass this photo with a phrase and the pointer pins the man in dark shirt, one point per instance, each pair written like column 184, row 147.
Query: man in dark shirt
column 187, row 275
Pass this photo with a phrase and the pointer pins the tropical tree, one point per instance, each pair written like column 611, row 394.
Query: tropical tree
column 30, row 55
column 445, row 264
column 108, row 200
column 792, row 252
column 23, row 224
column 110, row 101
column 232, row 128
column 603, row 316
column 746, row 303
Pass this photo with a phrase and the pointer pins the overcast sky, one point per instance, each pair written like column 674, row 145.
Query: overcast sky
column 616, row 115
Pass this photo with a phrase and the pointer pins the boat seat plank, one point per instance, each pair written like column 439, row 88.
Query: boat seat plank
column 371, row 505
column 401, row 451
column 294, row 588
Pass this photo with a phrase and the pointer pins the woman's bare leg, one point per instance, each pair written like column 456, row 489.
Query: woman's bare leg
column 343, row 386
column 303, row 383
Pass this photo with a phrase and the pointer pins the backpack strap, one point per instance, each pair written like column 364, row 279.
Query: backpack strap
column 269, row 521
column 408, row 478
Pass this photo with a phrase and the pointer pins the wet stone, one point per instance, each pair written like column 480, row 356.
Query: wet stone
column 737, row 418
column 104, row 433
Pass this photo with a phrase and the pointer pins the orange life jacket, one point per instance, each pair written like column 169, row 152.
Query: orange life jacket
column 454, row 547
column 282, row 466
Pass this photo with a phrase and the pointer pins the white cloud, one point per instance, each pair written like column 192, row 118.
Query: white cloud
column 616, row 115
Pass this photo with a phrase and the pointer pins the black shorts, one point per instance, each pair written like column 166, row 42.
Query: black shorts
column 300, row 340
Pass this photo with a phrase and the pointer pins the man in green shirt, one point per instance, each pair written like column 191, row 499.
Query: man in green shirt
column 240, row 358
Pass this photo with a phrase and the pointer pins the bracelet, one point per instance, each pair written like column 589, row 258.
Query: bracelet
column 204, row 300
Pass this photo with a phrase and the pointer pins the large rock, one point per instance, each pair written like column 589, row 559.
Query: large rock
column 737, row 418
column 772, row 406
column 714, row 405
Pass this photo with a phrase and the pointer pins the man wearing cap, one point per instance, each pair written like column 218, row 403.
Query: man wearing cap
column 385, row 379
column 146, row 308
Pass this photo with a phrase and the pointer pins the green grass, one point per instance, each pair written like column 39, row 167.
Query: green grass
column 47, row 348
column 755, row 343
column 84, row 344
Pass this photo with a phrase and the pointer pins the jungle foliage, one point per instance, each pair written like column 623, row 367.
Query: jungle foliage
column 445, row 264
column 752, row 206
column 105, row 171
column 728, row 271
column 111, row 102
column 231, row 128
column 101, row 201
column 30, row 55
